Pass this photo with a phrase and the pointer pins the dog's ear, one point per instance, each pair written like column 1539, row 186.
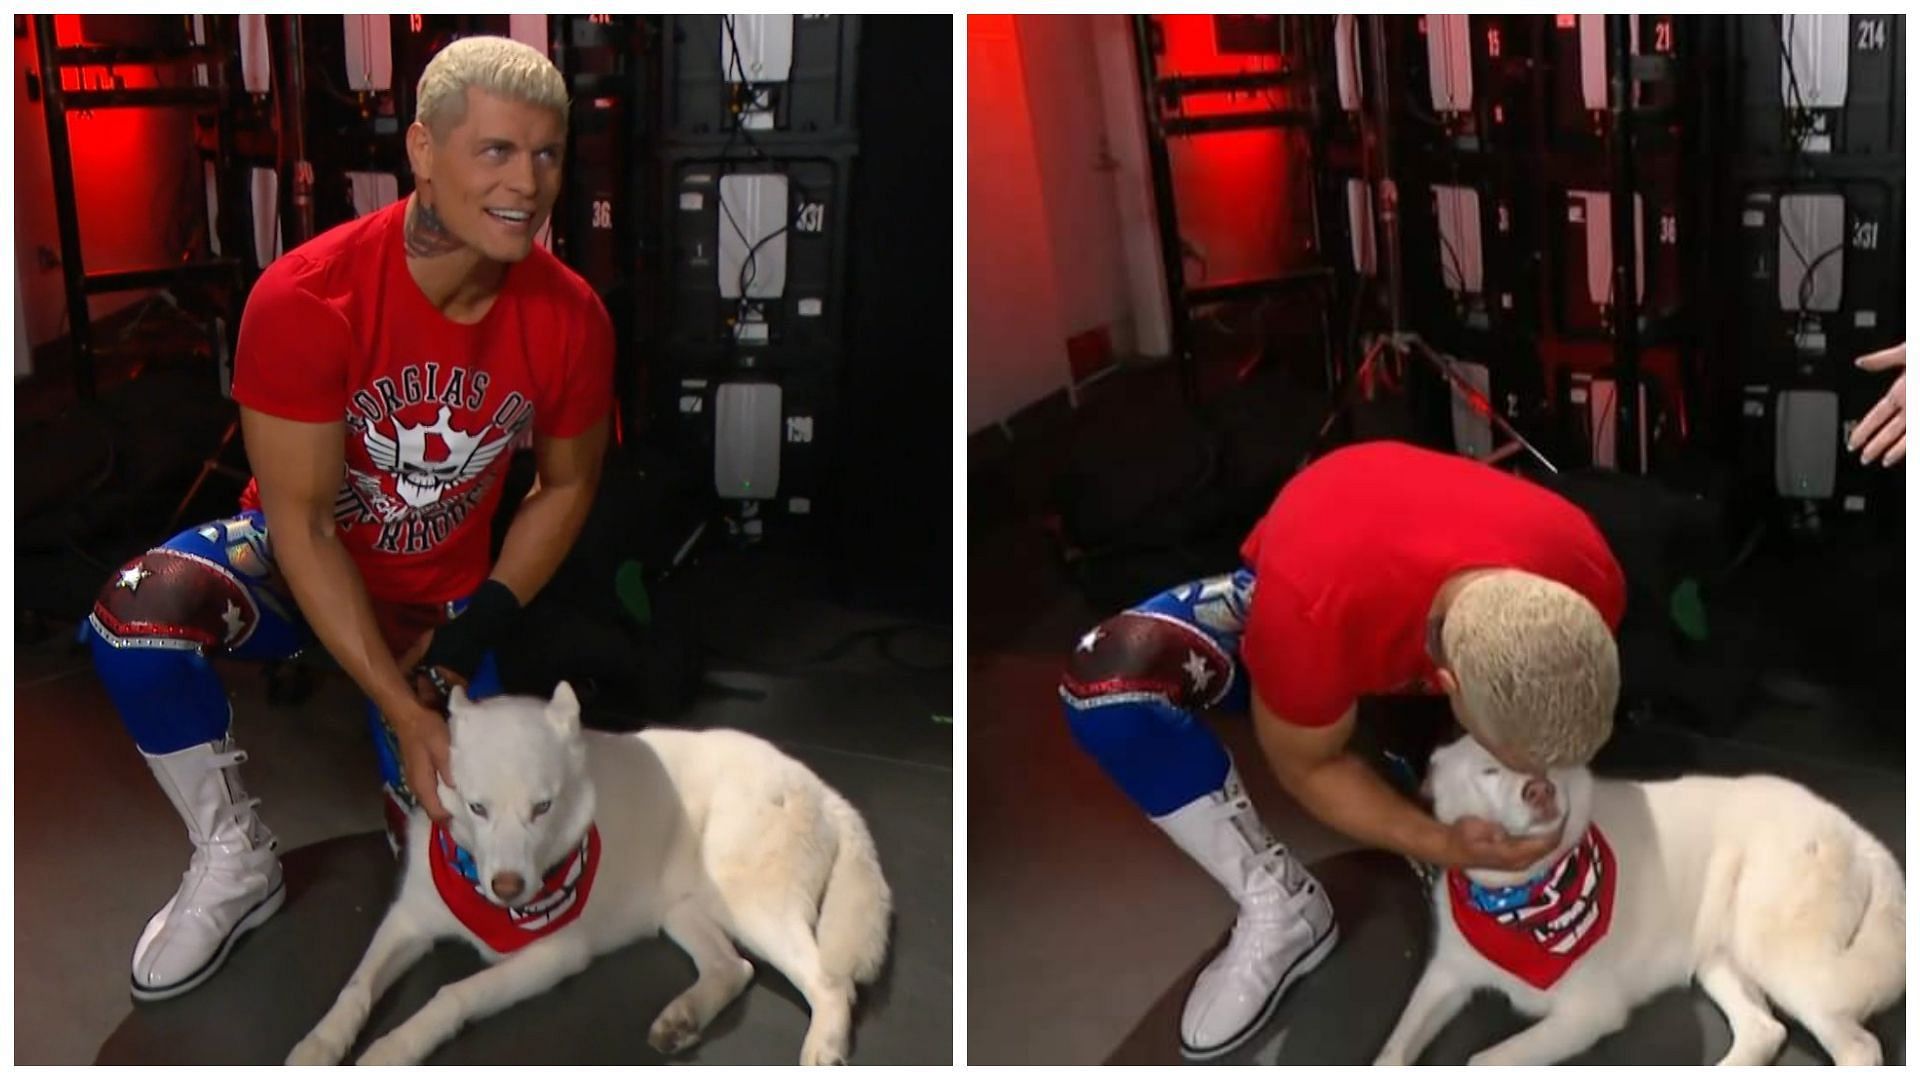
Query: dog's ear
column 563, row 712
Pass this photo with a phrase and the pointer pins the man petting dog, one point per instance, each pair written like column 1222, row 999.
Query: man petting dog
column 1381, row 568
column 383, row 371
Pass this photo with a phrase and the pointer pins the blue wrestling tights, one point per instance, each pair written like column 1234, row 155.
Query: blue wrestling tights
column 1136, row 683
column 210, row 592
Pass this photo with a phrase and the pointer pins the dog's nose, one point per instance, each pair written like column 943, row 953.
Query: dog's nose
column 1538, row 795
column 507, row 884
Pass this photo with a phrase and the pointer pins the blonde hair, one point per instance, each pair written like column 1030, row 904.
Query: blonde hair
column 1537, row 666
column 500, row 66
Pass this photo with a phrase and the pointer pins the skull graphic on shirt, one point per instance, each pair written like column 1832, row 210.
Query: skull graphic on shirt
column 418, row 466
column 419, row 481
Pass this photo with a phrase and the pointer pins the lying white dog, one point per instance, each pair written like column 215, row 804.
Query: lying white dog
column 1754, row 885
column 567, row 844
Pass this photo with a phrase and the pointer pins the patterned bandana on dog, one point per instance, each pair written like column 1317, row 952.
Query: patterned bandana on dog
column 561, row 899
column 1537, row 930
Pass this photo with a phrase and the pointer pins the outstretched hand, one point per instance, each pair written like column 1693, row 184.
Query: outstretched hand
column 1882, row 433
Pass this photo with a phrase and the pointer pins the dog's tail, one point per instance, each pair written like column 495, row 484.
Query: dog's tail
column 1826, row 926
column 1871, row 972
column 857, row 908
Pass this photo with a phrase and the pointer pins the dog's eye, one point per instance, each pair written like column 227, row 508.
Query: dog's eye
column 1489, row 772
column 478, row 810
column 542, row 807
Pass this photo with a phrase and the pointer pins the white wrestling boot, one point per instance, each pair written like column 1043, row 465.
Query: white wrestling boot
column 231, row 885
column 1285, row 928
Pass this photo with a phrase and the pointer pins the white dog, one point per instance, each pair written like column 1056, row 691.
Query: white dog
column 1755, row 886
column 567, row 844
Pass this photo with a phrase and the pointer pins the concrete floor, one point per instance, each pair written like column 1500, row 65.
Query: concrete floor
column 98, row 848
column 1082, row 913
column 1078, row 910
column 1086, row 926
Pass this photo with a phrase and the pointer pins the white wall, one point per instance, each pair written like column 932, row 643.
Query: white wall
column 1062, row 236
column 1076, row 173
column 1016, row 329
column 1126, row 140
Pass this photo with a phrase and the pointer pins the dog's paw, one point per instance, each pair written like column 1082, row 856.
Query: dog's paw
column 392, row 1049
column 317, row 1049
column 674, row 1030
column 824, row 1052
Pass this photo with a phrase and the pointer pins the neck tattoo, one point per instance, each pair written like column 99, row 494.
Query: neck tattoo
column 427, row 235
column 1436, row 651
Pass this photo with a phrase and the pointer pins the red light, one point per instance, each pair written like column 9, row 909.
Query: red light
column 1567, row 22
column 1476, row 400
column 415, row 22
column 1239, row 192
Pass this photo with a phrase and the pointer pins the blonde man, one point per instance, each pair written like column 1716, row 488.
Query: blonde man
column 383, row 370
column 1380, row 568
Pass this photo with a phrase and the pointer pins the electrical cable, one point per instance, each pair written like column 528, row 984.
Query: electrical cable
column 1807, row 278
column 1796, row 122
column 1453, row 257
column 749, row 265
column 1594, row 429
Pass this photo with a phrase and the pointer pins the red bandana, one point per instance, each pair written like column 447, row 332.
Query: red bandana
column 562, row 897
column 1538, row 930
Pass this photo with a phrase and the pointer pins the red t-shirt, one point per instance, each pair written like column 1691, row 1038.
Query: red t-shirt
column 337, row 329
column 1353, row 550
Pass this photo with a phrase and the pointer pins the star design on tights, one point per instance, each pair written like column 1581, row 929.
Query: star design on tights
column 1197, row 670
column 131, row 577
column 1091, row 639
column 231, row 616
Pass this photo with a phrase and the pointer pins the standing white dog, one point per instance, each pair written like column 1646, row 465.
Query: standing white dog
column 1754, row 885
column 567, row 844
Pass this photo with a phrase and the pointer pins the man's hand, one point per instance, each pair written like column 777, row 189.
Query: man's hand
column 425, row 757
column 1883, row 431
column 1477, row 844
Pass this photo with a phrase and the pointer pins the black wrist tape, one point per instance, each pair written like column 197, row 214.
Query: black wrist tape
column 462, row 643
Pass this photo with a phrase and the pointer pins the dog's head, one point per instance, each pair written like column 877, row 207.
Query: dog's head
column 1467, row 781
column 523, row 799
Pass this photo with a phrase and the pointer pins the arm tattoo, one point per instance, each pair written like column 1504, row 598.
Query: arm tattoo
column 427, row 235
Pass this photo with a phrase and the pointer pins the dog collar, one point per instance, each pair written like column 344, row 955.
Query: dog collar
column 561, row 899
column 1497, row 901
column 1538, row 929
